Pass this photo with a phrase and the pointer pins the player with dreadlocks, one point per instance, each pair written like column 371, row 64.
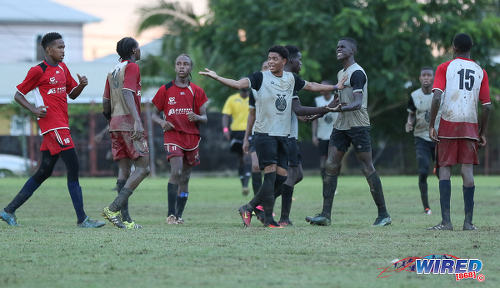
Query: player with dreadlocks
column 184, row 107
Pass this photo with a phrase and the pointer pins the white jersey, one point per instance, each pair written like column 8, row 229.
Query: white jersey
column 273, row 101
column 325, row 123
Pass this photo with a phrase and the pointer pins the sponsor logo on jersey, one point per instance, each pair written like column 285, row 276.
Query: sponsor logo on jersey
column 171, row 101
column 280, row 102
column 179, row 111
column 52, row 80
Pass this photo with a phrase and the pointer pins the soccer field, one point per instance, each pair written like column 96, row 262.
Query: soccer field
column 212, row 249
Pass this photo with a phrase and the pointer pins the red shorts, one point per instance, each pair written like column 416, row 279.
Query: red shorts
column 191, row 157
column 457, row 151
column 122, row 146
column 56, row 141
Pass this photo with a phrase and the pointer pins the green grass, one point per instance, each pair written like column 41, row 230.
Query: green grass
column 213, row 249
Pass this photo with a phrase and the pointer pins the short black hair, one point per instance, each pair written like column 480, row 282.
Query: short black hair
column 293, row 51
column 125, row 47
column 186, row 55
column 48, row 38
column 462, row 42
column 352, row 41
column 427, row 68
column 280, row 50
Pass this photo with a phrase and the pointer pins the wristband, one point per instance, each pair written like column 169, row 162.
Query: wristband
column 225, row 129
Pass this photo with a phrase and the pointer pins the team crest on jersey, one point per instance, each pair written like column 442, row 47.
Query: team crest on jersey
column 427, row 117
column 280, row 102
column 171, row 101
column 52, row 80
column 328, row 119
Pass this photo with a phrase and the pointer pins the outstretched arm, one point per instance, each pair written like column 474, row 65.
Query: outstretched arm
column 236, row 84
column 317, row 87
column 305, row 110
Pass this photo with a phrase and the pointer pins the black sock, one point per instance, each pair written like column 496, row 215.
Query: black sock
column 323, row 173
column 329, row 187
column 278, row 184
column 241, row 173
column 422, row 185
column 444, row 199
column 469, row 203
column 286, row 201
column 256, row 182
column 181, row 203
column 124, row 211
column 172, row 198
column 265, row 196
column 120, row 199
column 377, row 194
column 75, row 191
column 29, row 187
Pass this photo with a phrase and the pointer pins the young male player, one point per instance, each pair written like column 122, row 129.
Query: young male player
column 275, row 89
column 419, row 107
column 122, row 106
column 184, row 106
column 236, row 110
column 459, row 84
column 52, row 83
column 352, row 126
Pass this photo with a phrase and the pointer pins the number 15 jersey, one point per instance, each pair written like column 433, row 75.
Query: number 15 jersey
column 463, row 83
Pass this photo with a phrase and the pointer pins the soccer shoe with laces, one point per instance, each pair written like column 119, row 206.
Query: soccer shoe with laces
column 171, row 219
column 442, row 226
column 132, row 225
column 427, row 211
column 285, row 222
column 180, row 220
column 89, row 223
column 113, row 217
column 469, row 226
column 319, row 220
column 246, row 214
column 273, row 224
column 382, row 221
column 9, row 218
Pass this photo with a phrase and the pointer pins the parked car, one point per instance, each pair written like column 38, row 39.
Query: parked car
column 11, row 165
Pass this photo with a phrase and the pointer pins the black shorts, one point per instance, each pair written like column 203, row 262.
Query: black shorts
column 271, row 150
column 251, row 142
column 358, row 136
column 323, row 147
column 237, row 142
column 294, row 156
column 425, row 151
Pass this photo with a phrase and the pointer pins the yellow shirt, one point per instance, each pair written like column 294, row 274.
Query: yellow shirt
column 237, row 107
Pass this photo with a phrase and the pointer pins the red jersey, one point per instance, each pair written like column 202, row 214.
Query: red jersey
column 124, row 76
column 176, row 103
column 51, row 85
column 463, row 83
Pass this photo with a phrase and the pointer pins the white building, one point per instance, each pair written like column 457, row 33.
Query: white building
column 24, row 22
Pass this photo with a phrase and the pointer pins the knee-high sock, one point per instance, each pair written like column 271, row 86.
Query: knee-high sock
column 377, row 193
column 256, row 182
column 286, row 201
column 329, row 187
column 75, row 191
column 278, row 185
column 469, row 203
column 181, row 203
column 422, row 185
column 124, row 211
column 119, row 201
column 444, row 199
column 24, row 194
column 172, row 198
column 265, row 196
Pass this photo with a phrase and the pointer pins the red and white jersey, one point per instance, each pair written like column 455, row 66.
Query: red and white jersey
column 51, row 85
column 463, row 82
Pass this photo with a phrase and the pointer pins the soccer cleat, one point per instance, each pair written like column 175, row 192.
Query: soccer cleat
column 245, row 191
column 382, row 221
column 171, row 219
column 469, row 226
column 246, row 215
column 285, row 222
column 259, row 214
column 132, row 225
column 89, row 223
column 180, row 220
column 273, row 224
column 113, row 217
column 319, row 219
column 427, row 211
column 441, row 226
column 9, row 218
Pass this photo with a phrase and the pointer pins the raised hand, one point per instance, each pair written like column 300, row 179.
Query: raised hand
column 82, row 80
column 208, row 73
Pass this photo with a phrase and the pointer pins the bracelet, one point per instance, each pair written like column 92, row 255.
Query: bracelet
column 225, row 129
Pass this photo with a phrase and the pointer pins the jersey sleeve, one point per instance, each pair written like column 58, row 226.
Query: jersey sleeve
column 358, row 81
column 484, row 91
column 256, row 80
column 251, row 100
column 440, row 78
column 131, row 77
column 159, row 99
column 227, row 106
column 106, row 90
column 70, row 81
column 411, row 105
column 299, row 84
column 31, row 81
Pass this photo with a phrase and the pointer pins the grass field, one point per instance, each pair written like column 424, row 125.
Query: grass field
column 213, row 249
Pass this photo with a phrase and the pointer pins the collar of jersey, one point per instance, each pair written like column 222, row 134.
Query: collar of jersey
column 47, row 63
